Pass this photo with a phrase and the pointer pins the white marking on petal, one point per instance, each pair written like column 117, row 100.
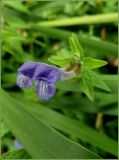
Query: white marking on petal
column 44, row 88
column 41, row 86
column 22, row 79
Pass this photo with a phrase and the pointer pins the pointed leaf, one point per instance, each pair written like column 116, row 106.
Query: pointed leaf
column 40, row 140
column 98, row 81
column 76, row 47
column 76, row 129
column 91, row 63
column 86, row 85
column 62, row 58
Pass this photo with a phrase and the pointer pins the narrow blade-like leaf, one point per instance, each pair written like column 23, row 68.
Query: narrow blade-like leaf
column 40, row 140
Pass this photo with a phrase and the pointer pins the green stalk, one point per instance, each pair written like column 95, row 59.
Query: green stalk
column 92, row 19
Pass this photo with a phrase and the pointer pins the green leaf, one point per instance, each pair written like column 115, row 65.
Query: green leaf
column 4, row 129
column 16, row 154
column 112, row 110
column 40, row 140
column 91, row 63
column 111, row 81
column 8, row 34
column 76, row 129
column 76, row 47
column 17, row 5
column 62, row 58
column 106, row 99
column 14, row 48
column 43, row 10
column 98, row 82
column 109, row 77
column 86, row 85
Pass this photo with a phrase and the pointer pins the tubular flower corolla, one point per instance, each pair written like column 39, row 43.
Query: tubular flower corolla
column 45, row 76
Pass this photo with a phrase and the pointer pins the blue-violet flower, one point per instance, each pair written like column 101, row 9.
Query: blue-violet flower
column 45, row 76
column 17, row 144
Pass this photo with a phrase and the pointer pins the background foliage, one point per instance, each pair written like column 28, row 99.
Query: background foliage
column 81, row 120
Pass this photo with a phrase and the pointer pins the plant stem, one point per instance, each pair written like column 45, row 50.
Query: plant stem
column 92, row 19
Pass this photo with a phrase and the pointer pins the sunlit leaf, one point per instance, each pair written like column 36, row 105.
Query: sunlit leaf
column 91, row 63
column 76, row 47
column 62, row 58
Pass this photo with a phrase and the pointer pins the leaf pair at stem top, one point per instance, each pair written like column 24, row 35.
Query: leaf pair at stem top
column 76, row 56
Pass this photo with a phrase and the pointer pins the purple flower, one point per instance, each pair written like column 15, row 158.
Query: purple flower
column 17, row 144
column 45, row 76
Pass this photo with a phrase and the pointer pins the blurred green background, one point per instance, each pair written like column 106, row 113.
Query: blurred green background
column 25, row 36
